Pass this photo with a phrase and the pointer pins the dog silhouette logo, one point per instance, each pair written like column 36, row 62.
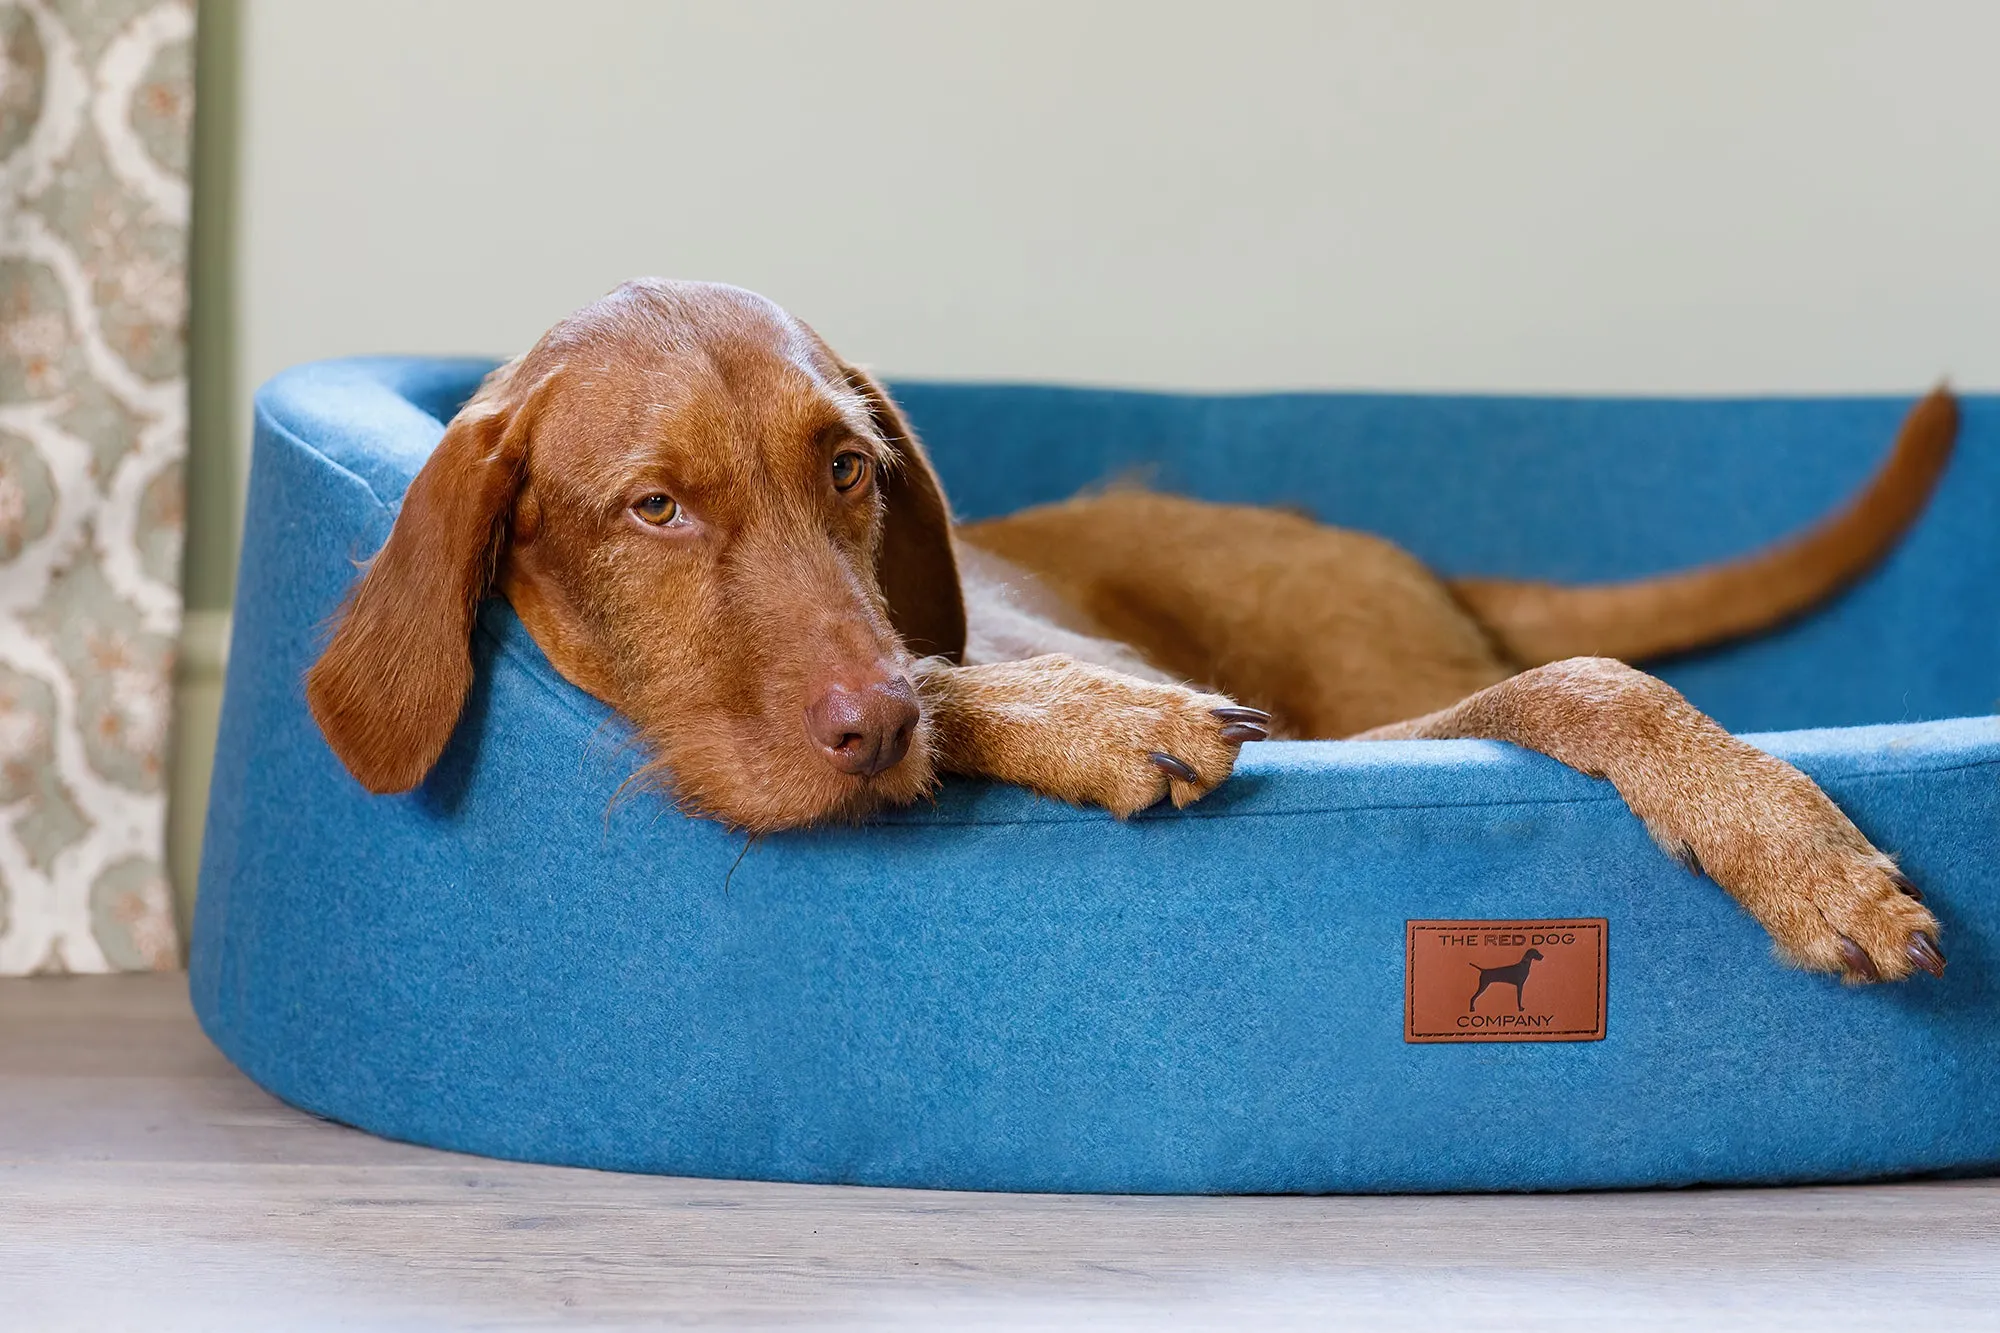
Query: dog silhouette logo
column 1511, row 974
column 1562, row 959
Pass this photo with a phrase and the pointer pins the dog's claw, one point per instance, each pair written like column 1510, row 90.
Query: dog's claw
column 1857, row 960
column 1239, row 714
column 1173, row 767
column 1925, row 955
column 1904, row 886
column 1238, row 732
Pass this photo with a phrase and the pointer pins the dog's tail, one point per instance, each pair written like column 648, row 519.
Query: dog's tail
column 1535, row 623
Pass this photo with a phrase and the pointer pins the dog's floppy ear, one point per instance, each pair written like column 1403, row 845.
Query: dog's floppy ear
column 389, row 687
column 915, row 566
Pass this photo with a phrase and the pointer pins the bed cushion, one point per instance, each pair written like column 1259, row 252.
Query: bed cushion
column 526, row 959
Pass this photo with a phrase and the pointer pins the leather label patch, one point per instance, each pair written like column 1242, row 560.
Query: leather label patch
column 1504, row 981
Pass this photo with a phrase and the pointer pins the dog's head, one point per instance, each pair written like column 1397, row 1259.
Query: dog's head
column 706, row 519
column 1532, row 955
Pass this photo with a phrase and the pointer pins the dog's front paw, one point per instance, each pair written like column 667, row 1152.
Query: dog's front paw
column 1830, row 900
column 1090, row 735
column 1852, row 912
column 1152, row 741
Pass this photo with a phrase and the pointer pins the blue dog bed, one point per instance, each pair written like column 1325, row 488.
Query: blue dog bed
column 1001, row 992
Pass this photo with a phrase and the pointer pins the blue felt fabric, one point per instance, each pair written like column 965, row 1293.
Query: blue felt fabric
column 1002, row 992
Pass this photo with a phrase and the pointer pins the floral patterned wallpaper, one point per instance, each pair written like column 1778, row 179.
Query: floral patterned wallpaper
column 96, row 104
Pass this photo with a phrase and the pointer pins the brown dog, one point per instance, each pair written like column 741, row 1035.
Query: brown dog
column 714, row 524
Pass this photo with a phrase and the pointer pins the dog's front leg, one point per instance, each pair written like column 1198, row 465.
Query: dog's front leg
column 1759, row 827
column 1081, row 732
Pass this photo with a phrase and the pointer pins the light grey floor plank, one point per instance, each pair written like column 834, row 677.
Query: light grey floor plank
column 145, row 1184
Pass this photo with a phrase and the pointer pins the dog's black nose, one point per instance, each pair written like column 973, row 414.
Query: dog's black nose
column 864, row 729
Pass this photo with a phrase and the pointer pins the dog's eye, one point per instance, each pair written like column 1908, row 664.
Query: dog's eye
column 659, row 510
column 849, row 470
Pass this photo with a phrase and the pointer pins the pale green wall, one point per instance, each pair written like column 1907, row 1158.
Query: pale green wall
column 215, row 415
column 216, row 423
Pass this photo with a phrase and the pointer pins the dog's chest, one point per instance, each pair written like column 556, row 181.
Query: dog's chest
column 1010, row 616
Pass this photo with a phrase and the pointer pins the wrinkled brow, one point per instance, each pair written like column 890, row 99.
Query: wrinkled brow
column 851, row 411
column 666, row 438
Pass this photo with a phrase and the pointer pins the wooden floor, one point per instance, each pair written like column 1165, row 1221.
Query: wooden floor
column 145, row 1184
